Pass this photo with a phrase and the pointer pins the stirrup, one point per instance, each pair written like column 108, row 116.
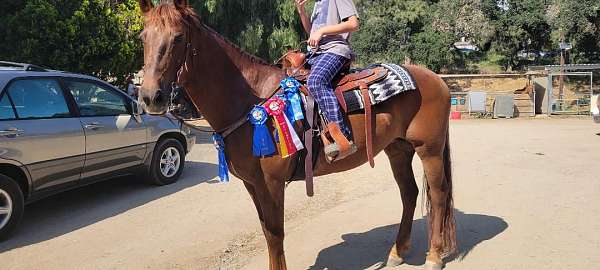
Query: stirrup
column 338, row 147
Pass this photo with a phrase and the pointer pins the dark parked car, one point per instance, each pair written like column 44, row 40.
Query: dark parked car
column 61, row 130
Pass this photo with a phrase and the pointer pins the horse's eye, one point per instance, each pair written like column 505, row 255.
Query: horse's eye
column 178, row 38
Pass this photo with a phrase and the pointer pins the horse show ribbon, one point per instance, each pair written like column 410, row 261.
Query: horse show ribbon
column 262, row 143
column 220, row 146
column 288, row 145
column 291, row 89
column 295, row 137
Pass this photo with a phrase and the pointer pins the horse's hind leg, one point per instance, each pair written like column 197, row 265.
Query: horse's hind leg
column 436, row 164
column 400, row 154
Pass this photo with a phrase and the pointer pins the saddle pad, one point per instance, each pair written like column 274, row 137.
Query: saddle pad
column 398, row 80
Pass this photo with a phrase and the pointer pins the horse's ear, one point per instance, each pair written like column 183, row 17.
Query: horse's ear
column 181, row 3
column 146, row 5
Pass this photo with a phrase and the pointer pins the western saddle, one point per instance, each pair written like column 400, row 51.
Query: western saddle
column 293, row 62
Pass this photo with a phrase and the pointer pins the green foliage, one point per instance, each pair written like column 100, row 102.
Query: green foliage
column 393, row 31
column 434, row 49
column 97, row 37
column 521, row 27
column 577, row 22
column 266, row 28
column 463, row 19
column 386, row 27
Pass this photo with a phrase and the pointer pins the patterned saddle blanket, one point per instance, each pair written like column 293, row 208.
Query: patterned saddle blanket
column 396, row 80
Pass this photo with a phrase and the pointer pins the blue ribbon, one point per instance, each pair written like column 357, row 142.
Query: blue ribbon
column 220, row 146
column 289, row 82
column 291, row 90
column 262, row 143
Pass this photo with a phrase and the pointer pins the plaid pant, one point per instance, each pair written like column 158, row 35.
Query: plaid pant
column 324, row 67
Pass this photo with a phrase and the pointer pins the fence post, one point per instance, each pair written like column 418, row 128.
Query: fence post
column 549, row 94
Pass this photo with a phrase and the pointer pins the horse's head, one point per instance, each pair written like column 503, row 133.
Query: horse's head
column 166, row 37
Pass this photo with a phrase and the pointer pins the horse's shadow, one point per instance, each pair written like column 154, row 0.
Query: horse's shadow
column 370, row 249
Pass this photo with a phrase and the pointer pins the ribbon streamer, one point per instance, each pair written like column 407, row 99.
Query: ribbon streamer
column 295, row 137
column 291, row 90
column 262, row 143
column 284, row 151
column 220, row 146
column 275, row 107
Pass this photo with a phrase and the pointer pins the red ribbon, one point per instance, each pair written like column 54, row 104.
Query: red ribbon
column 275, row 107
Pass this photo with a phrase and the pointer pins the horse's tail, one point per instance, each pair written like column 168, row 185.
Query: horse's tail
column 448, row 223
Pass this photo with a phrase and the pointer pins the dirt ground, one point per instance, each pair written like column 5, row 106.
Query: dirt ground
column 527, row 197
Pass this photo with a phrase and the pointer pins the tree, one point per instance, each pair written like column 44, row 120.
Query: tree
column 265, row 28
column 519, row 25
column 393, row 30
column 576, row 22
column 434, row 49
column 97, row 37
column 463, row 19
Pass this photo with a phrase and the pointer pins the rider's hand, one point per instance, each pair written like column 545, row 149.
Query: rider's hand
column 314, row 38
column 300, row 3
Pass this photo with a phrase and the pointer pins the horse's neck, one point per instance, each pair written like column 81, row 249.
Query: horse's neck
column 224, row 82
column 261, row 77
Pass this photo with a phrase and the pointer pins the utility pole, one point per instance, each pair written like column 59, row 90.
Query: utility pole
column 561, row 78
column 564, row 48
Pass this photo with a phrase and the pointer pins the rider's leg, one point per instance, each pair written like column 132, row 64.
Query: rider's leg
column 324, row 67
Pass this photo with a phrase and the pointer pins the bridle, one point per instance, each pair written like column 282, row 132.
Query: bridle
column 177, row 89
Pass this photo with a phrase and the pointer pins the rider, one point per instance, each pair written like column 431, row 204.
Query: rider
column 329, row 27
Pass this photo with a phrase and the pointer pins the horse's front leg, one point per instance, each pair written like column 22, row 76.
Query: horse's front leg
column 269, row 197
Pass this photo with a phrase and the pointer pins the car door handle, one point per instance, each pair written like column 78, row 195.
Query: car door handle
column 93, row 126
column 14, row 132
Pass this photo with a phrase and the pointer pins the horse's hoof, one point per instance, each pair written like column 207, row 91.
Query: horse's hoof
column 394, row 261
column 429, row 265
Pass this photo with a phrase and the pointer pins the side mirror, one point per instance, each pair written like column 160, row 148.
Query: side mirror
column 137, row 110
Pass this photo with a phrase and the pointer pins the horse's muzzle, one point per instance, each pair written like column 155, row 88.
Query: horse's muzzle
column 157, row 99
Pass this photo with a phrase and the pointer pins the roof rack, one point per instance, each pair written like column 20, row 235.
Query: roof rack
column 21, row 66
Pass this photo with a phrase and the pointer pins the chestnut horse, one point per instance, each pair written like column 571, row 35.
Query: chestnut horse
column 224, row 83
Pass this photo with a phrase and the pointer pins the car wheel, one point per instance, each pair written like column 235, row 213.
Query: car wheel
column 11, row 205
column 167, row 162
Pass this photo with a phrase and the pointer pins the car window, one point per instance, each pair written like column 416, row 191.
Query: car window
column 6, row 109
column 96, row 100
column 38, row 98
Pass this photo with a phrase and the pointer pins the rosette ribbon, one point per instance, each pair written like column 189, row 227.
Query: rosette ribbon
column 289, row 142
column 262, row 143
column 220, row 146
column 291, row 89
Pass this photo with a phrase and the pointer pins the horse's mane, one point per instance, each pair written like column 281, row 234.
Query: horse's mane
column 167, row 15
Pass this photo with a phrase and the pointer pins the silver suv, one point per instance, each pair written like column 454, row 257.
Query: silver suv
column 61, row 130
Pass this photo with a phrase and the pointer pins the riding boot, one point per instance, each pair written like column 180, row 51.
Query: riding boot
column 337, row 146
